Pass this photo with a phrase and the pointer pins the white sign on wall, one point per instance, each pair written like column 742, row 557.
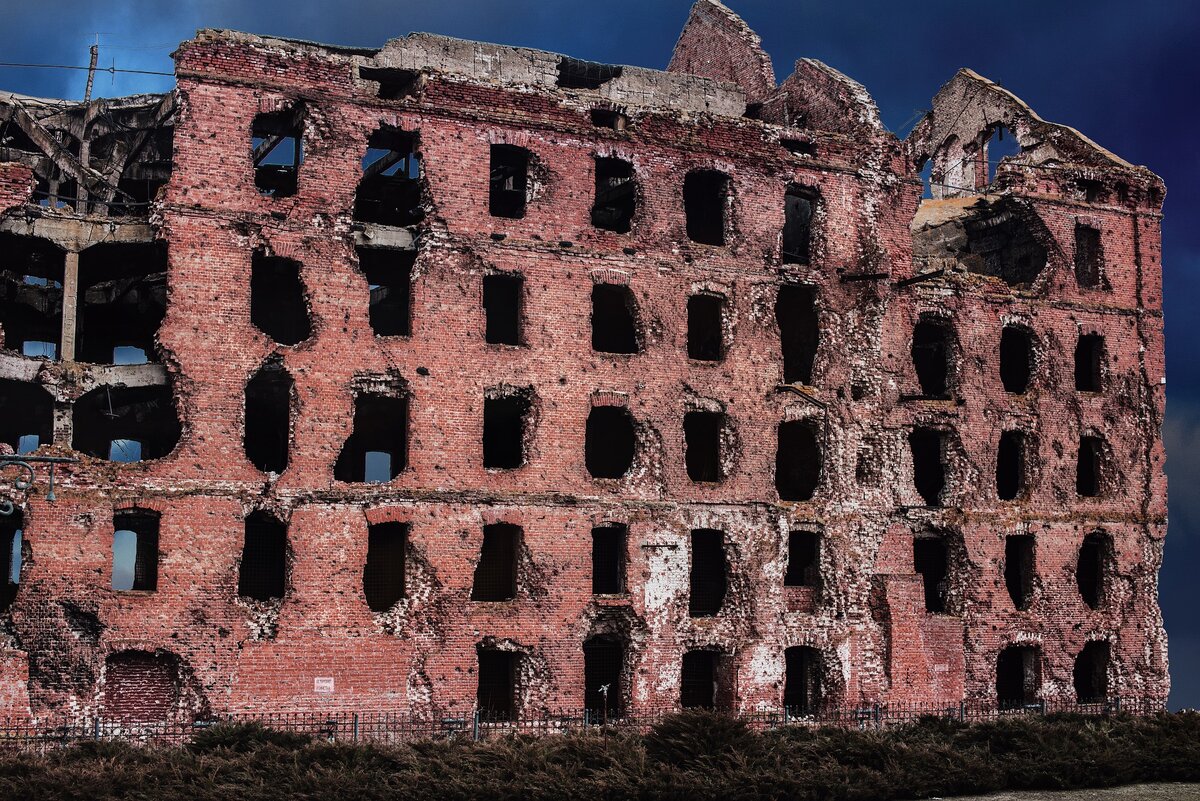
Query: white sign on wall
column 323, row 684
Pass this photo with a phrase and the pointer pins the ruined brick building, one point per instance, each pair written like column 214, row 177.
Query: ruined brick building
column 451, row 375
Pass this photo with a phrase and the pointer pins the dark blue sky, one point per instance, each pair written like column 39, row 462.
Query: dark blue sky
column 1123, row 73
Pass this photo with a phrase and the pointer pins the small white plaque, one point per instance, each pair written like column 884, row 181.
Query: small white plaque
column 323, row 684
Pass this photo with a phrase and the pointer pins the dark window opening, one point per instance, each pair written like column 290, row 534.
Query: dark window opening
column 26, row 416
column 802, row 680
column 389, row 192
column 1093, row 191
column 797, row 461
column 804, row 560
column 929, row 467
column 31, row 296
column 931, row 358
column 277, row 299
column 377, row 449
column 1092, row 568
column 931, row 561
column 705, row 199
column 1089, row 363
column 708, row 574
column 11, row 540
column 497, row 694
column 1010, row 465
column 1016, row 359
column 509, row 181
column 603, row 663
column 1089, row 467
column 1018, row 676
column 616, row 195
column 798, row 206
column 608, row 559
column 702, row 440
column 614, row 319
column 502, row 308
column 496, row 574
column 505, row 418
column 799, row 147
column 609, row 118
column 1091, row 672
column 263, row 571
column 383, row 574
column 1089, row 257
column 610, row 442
column 394, row 84
column 706, row 330
column 269, row 418
column 389, row 279
column 1019, row 568
column 122, row 302
column 698, row 680
column 799, row 331
column 135, row 551
column 574, row 73
column 277, row 150
column 125, row 424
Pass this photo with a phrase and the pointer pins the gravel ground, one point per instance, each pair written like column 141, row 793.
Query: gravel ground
column 1134, row 792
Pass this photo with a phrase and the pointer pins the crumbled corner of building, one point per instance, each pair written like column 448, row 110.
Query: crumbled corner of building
column 452, row 376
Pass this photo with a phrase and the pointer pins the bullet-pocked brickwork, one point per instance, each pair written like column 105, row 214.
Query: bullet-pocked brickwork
column 458, row 376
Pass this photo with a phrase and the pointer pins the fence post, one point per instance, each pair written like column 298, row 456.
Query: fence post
column 962, row 711
column 354, row 730
column 475, row 726
column 96, row 729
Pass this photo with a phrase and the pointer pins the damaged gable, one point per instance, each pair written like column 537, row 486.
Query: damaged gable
column 716, row 43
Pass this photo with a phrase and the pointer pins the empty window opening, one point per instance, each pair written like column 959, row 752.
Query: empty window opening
column 927, row 182
column 31, row 296
column 803, row 667
column 574, row 73
column 702, row 432
column 1089, row 363
column 1010, row 466
column 263, row 570
column 509, row 181
column 929, row 467
column 377, row 449
column 277, row 299
column 603, row 663
column 505, row 420
column 616, row 195
column 799, row 147
column 1019, row 568
column 799, row 331
column 931, row 561
column 135, row 551
column 1018, row 676
column 708, row 574
column 269, row 418
column 277, row 150
column 394, row 84
column 1089, row 257
column 614, row 319
column 608, row 559
column 11, row 539
column 497, row 693
column 496, row 573
column 502, row 308
column 804, row 560
column 122, row 300
column 26, row 416
column 609, row 118
column 1092, row 191
column 390, row 190
column 140, row 686
column 706, row 327
column 1092, row 568
column 797, row 461
column 931, row 358
column 389, row 279
column 610, row 442
column 705, row 200
column 109, row 420
column 1001, row 144
column 1090, row 467
column 1016, row 359
column 798, row 206
column 1091, row 672
column 383, row 574
column 698, row 680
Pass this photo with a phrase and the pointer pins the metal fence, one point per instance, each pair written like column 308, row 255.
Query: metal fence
column 403, row 727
